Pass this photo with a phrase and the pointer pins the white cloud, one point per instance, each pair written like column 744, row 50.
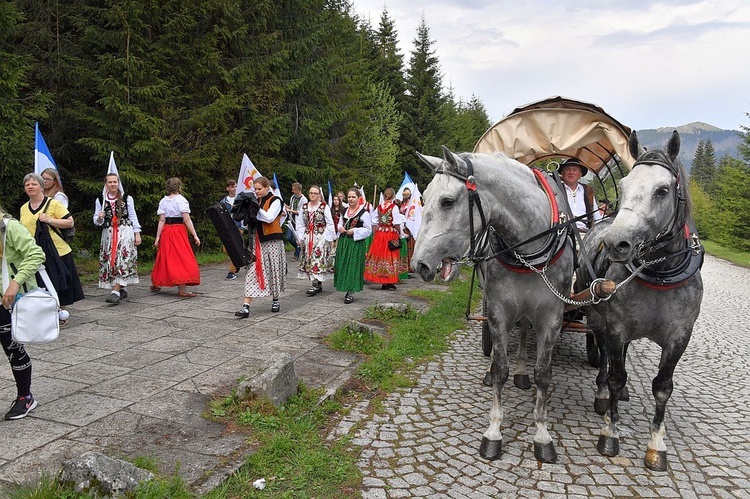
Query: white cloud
column 647, row 63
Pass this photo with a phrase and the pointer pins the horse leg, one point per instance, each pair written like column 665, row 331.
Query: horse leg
column 492, row 441
column 661, row 387
column 544, row 449
column 601, row 398
column 609, row 438
column 521, row 374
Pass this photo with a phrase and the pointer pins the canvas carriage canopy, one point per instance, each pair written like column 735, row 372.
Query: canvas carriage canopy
column 558, row 127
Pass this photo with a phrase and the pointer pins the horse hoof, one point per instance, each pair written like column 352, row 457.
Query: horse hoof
column 487, row 380
column 656, row 460
column 608, row 446
column 624, row 394
column 545, row 453
column 600, row 406
column 522, row 381
column 491, row 449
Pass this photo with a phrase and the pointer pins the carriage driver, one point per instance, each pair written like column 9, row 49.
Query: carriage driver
column 580, row 196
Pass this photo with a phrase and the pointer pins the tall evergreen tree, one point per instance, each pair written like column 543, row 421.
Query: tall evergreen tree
column 425, row 113
column 20, row 106
column 703, row 170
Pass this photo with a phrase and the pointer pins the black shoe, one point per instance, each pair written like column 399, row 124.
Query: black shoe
column 230, row 276
column 113, row 299
column 21, row 407
column 123, row 293
column 275, row 306
column 348, row 298
column 243, row 313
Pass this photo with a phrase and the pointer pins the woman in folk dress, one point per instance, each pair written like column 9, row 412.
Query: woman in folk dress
column 175, row 263
column 354, row 228
column 267, row 275
column 121, row 235
column 383, row 264
column 316, row 232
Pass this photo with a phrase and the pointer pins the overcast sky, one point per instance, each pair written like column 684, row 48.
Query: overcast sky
column 649, row 64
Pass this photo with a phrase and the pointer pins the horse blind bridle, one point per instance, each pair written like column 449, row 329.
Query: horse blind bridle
column 693, row 252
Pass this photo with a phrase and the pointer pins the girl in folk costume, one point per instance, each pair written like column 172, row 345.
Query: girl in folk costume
column 315, row 231
column 175, row 263
column 337, row 210
column 383, row 264
column 354, row 227
column 118, row 255
column 267, row 277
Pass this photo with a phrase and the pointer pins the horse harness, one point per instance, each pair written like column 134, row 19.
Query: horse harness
column 690, row 256
column 504, row 253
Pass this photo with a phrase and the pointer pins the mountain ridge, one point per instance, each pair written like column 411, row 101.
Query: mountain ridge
column 725, row 142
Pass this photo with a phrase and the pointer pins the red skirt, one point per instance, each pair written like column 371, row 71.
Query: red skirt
column 175, row 262
column 383, row 265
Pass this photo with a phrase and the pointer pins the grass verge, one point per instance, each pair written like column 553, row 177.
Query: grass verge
column 741, row 258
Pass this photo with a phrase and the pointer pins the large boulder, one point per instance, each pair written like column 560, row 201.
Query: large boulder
column 96, row 474
column 277, row 383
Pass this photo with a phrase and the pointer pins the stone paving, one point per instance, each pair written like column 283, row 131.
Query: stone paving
column 135, row 379
column 424, row 442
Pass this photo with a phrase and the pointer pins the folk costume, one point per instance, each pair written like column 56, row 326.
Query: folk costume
column 383, row 264
column 351, row 251
column 175, row 262
column 315, row 231
column 118, row 254
column 267, row 275
column 58, row 255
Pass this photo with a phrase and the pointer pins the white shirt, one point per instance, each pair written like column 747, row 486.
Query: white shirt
column 578, row 205
column 131, row 213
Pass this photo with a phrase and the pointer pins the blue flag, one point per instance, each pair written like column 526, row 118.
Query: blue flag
column 277, row 190
column 42, row 156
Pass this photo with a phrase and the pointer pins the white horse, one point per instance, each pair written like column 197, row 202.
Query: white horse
column 651, row 241
column 467, row 192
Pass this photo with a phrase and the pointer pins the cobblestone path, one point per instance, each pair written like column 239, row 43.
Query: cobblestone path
column 424, row 443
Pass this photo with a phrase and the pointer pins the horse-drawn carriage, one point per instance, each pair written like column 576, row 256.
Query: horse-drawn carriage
column 546, row 132
column 520, row 239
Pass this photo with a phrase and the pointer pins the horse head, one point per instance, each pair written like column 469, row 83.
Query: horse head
column 443, row 236
column 654, row 200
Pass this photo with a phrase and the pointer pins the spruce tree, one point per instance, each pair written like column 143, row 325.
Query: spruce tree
column 424, row 128
column 20, row 106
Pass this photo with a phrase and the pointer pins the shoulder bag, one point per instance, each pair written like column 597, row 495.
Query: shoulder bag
column 68, row 235
column 35, row 317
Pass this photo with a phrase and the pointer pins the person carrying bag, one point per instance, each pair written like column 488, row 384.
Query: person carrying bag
column 23, row 257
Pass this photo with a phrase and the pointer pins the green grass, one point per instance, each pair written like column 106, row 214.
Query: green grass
column 292, row 452
column 741, row 258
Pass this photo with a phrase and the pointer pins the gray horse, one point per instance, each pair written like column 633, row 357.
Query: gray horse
column 515, row 207
column 651, row 242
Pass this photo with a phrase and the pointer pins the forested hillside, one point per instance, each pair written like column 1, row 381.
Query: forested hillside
column 179, row 88
column 725, row 142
